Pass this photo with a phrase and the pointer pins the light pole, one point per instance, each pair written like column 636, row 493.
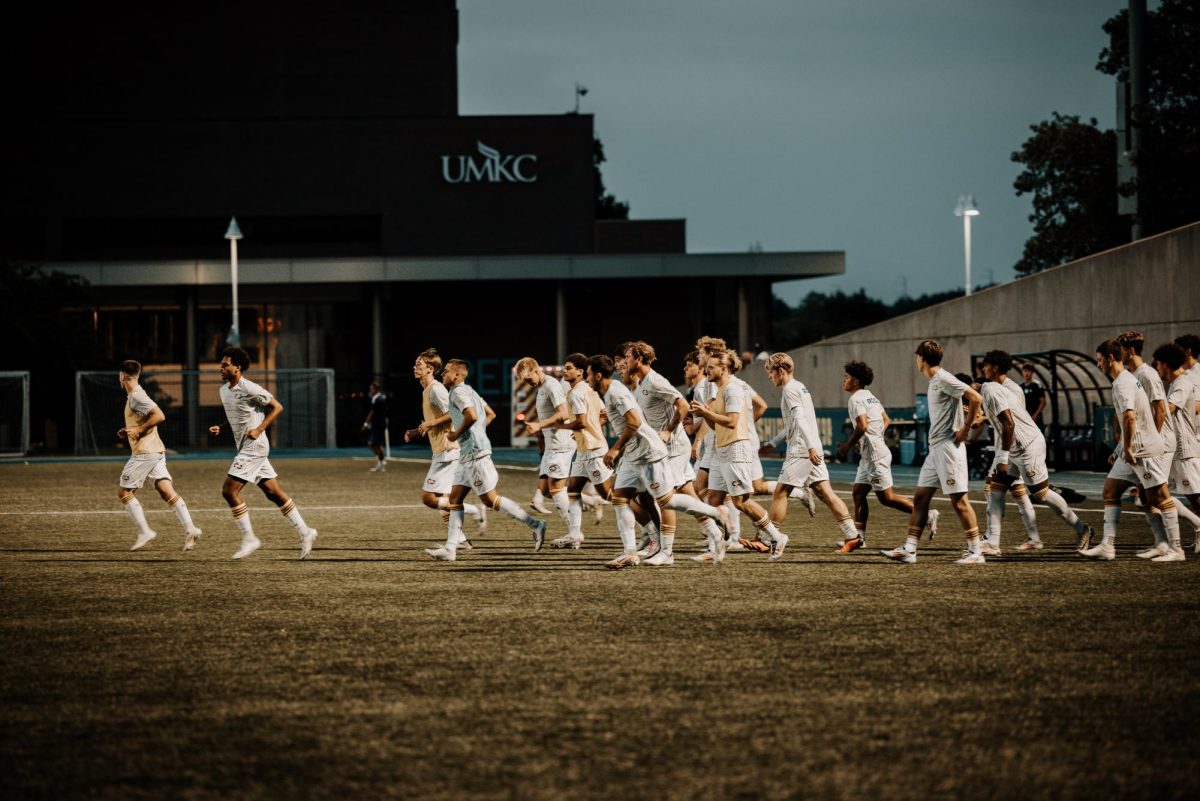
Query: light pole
column 233, row 234
column 966, row 209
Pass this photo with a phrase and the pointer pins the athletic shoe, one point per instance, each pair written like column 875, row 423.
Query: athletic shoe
column 442, row 554
column 934, row 514
column 1030, row 545
column 901, row 555
column 381, row 467
column 481, row 519
column 1084, row 541
column 705, row 556
column 755, row 545
column 539, row 534
column 306, row 542
column 810, row 501
column 1154, row 551
column 1172, row 555
column 189, row 539
column 249, row 545
column 539, row 507
column 142, row 539
column 1103, row 552
column 623, row 561
column 567, row 541
column 987, row 549
column 778, row 546
column 734, row 545
column 660, row 559
column 464, row 543
column 720, row 547
column 650, row 549
column 850, row 546
column 971, row 559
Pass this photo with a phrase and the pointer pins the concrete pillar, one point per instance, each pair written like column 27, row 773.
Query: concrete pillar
column 743, row 308
column 377, row 333
column 191, row 383
column 560, row 321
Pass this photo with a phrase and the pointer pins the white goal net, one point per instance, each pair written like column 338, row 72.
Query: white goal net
column 14, row 413
column 191, row 401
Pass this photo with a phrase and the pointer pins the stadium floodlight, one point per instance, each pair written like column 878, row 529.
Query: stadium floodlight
column 233, row 234
column 967, row 209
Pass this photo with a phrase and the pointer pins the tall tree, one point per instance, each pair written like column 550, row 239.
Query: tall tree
column 607, row 206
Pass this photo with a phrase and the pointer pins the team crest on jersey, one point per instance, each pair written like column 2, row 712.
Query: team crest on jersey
column 950, row 482
column 430, row 481
column 654, row 485
column 125, row 478
column 1187, row 483
column 554, row 468
column 596, row 473
column 479, row 482
column 737, row 483
column 1146, row 476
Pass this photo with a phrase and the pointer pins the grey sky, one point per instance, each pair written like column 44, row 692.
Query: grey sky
column 849, row 125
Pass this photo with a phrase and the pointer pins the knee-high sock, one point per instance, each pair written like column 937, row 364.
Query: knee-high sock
column 735, row 519
column 770, row 487
column 686, row 503
column 1059, row 506
column 513, row 510
column 289, row 511
column 1170, row 519
column 666, row 539
column 1154, row 517
column 995, row 512
column 179, row 507
column 575, row 517
column 765, row 525
column 846, row 524
column 134, row 507
column 1112, row 519
column 241, row 519
column 444, row 503
column 562, row 503
column 971, row 535
column 625, row 523
column 712, row 532
column 1027, row 513
column 454, row 527
column 1187, row 514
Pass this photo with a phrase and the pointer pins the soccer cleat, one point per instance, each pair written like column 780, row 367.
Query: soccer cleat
column 851, row 545
column 778, row 546
column 1084, row 541
column 442, row 554
column 971, row 559
column 189, row 539
column 901, row 554
column 567, row 541
column 1030, row 545
column 1172, row 555
column 249, row 545
column 755, row 545
column 142, row 539
column 539, row 507
column 306, row 542
column 1103, row 552
column 660, row 559
column 623, row 561
column 539, row 534
column 481, row 519
column 734, row 545
column 810, row 501
column 932, row 525
column 650, row 549
column 1154, row 551
column 380, row 467
column 705, row 556
column 988, row 549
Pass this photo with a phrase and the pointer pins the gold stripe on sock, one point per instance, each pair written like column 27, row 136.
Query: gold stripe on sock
column 174, row 500
column 665, row 499
column 496, row 503
column 240, row 511
column 1042, row 493
column 1019, row 492
column 841, row 520
column 971, row 534
column 1167, row 505
column 915, row 531
column 574, row 496
column 666, row 530
column 287, row 508
column 127, row 498
column 445, row 516
column 763, row 522
column 617, row 500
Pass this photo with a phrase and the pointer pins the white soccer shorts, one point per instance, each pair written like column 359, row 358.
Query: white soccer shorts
column 1030, row 464
column 440, row 477
column 731, row 478
column 708, row 452
column 798, row 471
column 556, row 465
column 479, row 474
column 590, row 465
column 251, row 464
column 681, row 466
column 656, row 477
column 1150, row 471
column 945, row 468
column 144, row 467
column 875, row 472
column 1185, row 476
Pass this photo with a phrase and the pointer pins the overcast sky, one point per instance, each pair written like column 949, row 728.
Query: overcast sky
column 801, row 125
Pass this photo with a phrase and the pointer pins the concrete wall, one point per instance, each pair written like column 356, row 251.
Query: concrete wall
column 1152, row 285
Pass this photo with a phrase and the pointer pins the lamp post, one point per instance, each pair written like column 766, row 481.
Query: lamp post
column 233, row 234
column 966, row 209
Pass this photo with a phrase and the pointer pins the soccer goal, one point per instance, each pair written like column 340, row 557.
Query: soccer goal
column 14, row 413
column 191, row 400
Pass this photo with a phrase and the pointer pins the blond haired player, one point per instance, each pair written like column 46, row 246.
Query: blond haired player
column 147, row 460
column 1183, row 424
column 469, row 418
column 551, row 405
column 435, row 424
column 245, row 402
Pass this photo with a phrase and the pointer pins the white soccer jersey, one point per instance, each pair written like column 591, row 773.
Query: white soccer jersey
column 705, row 392
column 657, row 396
column 244, row 404
column 799, row 420
column 1128, row 396
column 645, row 445
column 1184, row 422
column 864, row 403
column 474, row 442
column 550, row 396
column 999, row 398
column 945, row 406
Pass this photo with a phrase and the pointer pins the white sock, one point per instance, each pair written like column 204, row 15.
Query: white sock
column 563, row 504
column 134, row 507
column 513, row 510
column 471, row 509
column 538, row 497
column 735, row 520
column 1187, row 514
column 846, row 524
column 995, row 515
column 798, row 493
column 1028, row 516
column 1170, row 519
column 770, row 485
column 772, row 532
column 181, row 513
column 292, row 514
column 1154, row 517
column 1059, row 506
column 1112, row 518
column 454, row 529
column 686, row 503
column 589, row 500
column 666, row 542
column 625, row 526
column 241, row 519
column 575, row 518
column 712, row 532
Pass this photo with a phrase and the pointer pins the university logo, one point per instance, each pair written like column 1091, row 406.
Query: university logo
column 950, row 482
column 479, row 482
column 493, row 168
column 430, row 481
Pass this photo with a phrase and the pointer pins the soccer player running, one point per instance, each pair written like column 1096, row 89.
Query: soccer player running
column 1139, row 458
column 588, row 464
column 147, row 460
column 804, row 464
column 244, row 403
column 376, row 426
column 875, row 465
column 643, row 466
column 469, row 418
column 555, row 467
column 728, row 414
column 1182, row 430
column 435, row 424
column 1021, row 444
column 946, row 464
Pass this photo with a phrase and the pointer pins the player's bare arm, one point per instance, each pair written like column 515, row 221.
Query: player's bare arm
column 860, row 430
column 150, row 421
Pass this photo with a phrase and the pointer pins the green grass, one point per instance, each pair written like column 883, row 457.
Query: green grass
column 369, row 671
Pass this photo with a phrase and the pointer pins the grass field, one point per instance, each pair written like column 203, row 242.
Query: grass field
column 370, row 671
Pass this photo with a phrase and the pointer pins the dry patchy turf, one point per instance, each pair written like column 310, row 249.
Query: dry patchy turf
column 370, row 671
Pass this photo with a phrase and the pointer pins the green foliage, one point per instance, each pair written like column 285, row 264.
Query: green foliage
column 607, row 206
column 819, row 315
